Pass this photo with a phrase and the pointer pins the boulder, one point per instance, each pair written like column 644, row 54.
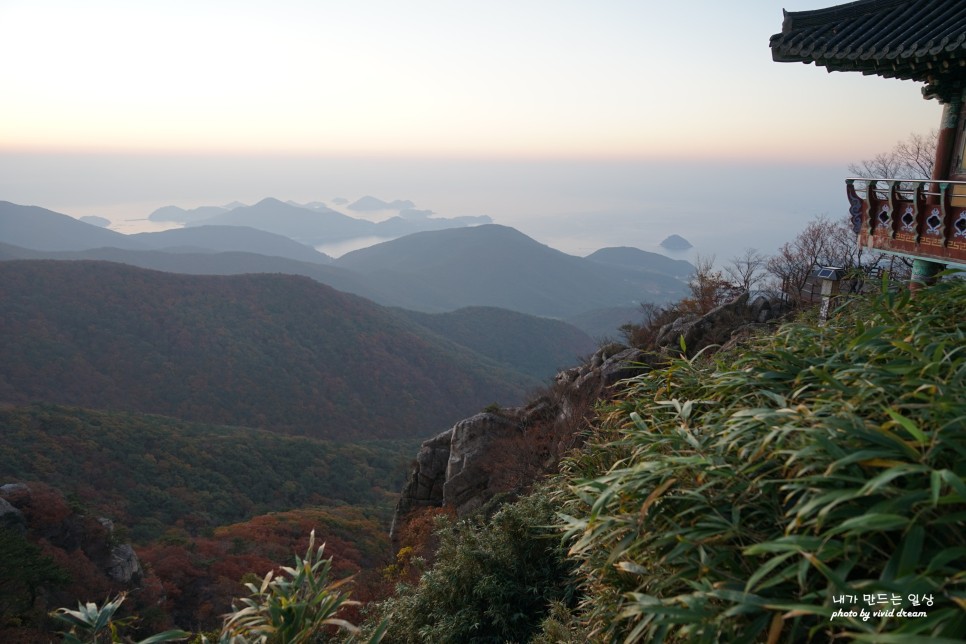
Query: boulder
column 124, row 567
column 714, row 327
column 764, row 307
column 13, row 488
column 11, row 518
column 432, row 461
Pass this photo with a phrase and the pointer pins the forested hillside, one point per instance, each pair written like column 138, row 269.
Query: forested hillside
column 539, row 347
column 272, row 351
column 216, row 421
column 149, row 473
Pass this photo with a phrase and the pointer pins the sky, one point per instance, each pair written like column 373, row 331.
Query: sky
column 566, row 119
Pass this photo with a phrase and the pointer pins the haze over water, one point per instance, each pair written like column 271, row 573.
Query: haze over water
column 581, row 125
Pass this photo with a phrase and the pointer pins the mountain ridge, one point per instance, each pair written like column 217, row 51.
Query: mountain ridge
column 311, row 226
column 42, row 229
column 630, row 257
column 494, row 265
column 235, row 350
column 540, row 347
column 230, row 238
column 430, row 271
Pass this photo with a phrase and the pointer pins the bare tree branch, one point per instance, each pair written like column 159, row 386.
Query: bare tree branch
column 912, row 158
column 747, row 271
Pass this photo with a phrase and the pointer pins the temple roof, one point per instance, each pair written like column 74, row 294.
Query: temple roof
column 921, row 40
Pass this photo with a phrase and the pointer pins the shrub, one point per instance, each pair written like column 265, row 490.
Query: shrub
column 93, row 624
column 493, row 580
column 294, row 607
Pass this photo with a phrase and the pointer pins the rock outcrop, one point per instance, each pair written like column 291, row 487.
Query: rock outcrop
column 11, row 518
column 698, row 332
column 718, row 325
column 43, row 514
column 123, row 567
column 503, row 451
column 472, row 464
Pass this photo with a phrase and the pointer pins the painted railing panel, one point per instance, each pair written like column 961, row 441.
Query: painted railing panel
column 916, row 218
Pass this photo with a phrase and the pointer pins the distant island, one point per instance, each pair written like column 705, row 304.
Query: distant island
column 94, row 220
column 676, row 242
column 372, row 203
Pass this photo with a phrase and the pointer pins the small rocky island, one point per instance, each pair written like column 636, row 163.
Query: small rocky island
column 676, row 242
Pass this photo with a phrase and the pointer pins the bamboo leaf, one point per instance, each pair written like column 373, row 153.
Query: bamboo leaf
column 909, row 426
column 872, row 522
column 956, row 483
column 631, row 567
column 655, row 495
column 166, row 636
column 766, row 569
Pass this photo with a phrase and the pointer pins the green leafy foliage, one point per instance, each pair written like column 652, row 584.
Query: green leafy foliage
column 24, row 572
column 151, row 473
column 96, row 624
column 740, row 499
column 294, row 606
column 493, row 580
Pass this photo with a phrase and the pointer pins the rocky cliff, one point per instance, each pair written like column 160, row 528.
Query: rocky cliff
column 502, row 451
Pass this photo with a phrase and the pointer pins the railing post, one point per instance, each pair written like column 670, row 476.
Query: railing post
column 924, row 273
column 893, row 198
column 855, row 206
column 870, row 206
column 920, row 205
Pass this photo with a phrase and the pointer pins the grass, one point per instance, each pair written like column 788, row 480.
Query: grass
column 738, row 498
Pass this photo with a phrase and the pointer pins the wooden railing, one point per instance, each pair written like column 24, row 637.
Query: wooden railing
column 911, row 217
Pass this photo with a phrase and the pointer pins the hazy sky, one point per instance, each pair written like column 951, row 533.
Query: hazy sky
column 144, row 103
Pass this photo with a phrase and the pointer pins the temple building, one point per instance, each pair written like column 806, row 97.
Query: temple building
column 918, row 40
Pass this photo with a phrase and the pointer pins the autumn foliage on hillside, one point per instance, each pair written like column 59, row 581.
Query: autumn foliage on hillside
column 150, row 473
column 194, row 497
column 201, row 575
column 57, row 557
column 186, row 581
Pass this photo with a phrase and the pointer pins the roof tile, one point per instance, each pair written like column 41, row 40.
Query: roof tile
column 922, row 40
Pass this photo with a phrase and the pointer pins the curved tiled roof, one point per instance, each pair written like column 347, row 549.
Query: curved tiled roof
column 922, row 40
